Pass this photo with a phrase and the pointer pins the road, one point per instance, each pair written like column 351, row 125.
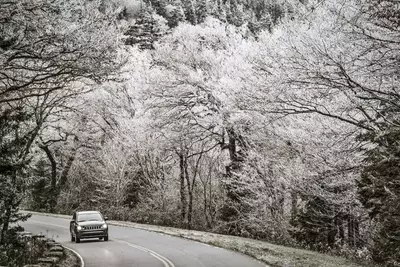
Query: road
column 138, row 248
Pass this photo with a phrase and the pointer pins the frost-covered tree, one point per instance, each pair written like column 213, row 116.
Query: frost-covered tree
column 204, row 97
column 39, row 44
column 49, row 50
column 340, row 62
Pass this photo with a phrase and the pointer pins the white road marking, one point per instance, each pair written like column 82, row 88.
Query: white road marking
column 77, row 254
column 164, row 260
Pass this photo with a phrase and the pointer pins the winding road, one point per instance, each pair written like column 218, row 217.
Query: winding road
column 138, row 248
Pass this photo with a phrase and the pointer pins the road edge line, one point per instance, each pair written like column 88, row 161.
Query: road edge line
column 77, row 254
column 133, row 225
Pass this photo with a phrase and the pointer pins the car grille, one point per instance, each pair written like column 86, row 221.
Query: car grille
column 91, row 227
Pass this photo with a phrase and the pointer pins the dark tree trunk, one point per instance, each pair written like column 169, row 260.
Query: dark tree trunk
column 182, row 187
column 232, row 147
column 7, row 217
column 294, row 210
column 341, row 228
column 53, row 163
column 350, row 230
column 356, row 232
column 65, row 172
column 57, row 187
column 332, row 235
column 8, row 205
column 207, row 202
column 190, row 193
column 206, row 210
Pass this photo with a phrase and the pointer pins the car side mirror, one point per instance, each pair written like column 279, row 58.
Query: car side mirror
column 105, row 218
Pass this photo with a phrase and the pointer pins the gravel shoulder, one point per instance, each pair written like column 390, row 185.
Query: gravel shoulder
column 271, row 254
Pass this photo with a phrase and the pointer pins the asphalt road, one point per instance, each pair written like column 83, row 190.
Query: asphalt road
column 138, row 248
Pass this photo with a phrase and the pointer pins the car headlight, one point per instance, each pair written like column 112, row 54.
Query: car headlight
column 104, row 226
column 79, row 228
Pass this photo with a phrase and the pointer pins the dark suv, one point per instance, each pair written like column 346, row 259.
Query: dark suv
column 88, row 224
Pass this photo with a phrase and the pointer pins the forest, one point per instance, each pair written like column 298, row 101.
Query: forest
column 275, row 120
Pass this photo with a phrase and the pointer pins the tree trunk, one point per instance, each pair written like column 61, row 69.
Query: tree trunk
column 232, row 147
column 53, row 163
column 231, row 208
column 341, row 228
column 8, row 206
column 207, row 202
column 206, row 209
column 294, row 210
column 356, row 232
column 332, row 232
column 182, row 188
column 7, row 216
column 350, row 230
column 190, row 193
column 65, row 172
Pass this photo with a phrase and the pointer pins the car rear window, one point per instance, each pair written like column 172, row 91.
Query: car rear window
column 89, row 217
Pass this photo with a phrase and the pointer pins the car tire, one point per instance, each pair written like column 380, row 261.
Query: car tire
column 106, row 238
column 78, row 240
column 72, row 238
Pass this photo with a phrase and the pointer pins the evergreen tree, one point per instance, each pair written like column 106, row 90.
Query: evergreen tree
column 190, row 11
column 228, row 11
column 175, row 13
column 217, row 10
column 328, row 218
column 202, row 10
column 264, row 23
column 40, row 188
column 314, row 224
column 235, row 15
column 258, row 15
column 147, row 29
column 13, row 143
column 40, row 195
column 379, row 184
column 158, row 6
column 379, row 190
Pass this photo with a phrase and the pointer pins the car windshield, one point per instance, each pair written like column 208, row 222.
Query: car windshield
column 89, row 217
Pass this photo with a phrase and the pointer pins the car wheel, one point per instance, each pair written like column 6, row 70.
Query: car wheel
column 78, row 240
column 106, row 238
column 72, row 238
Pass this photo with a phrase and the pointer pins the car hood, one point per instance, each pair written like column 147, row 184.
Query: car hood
column 91, row 223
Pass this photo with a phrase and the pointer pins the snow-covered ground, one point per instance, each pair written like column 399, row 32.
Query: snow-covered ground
column 271, row 254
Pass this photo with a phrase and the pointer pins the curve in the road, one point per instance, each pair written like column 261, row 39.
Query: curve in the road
column 132, row 247
column 165, row 261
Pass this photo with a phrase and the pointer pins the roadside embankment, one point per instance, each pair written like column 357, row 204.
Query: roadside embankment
column 40, row 251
